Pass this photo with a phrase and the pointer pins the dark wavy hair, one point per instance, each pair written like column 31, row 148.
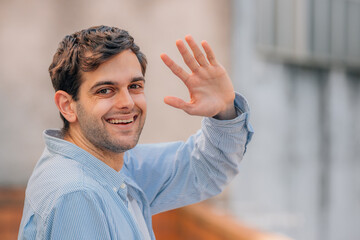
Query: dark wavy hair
column 84, row 51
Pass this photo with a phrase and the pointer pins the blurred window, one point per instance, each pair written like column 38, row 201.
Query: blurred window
column 316, row 32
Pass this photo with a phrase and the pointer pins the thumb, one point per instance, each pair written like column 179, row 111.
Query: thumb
column 176, row 103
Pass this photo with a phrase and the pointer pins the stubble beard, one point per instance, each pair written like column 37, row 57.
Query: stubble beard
column 98, row 136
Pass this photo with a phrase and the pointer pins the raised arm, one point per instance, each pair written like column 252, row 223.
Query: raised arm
column 181, row 173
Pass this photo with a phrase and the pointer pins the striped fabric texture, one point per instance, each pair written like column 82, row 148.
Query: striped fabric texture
column 73, row 195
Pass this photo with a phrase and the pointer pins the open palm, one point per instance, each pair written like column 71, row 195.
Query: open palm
column 210, row 88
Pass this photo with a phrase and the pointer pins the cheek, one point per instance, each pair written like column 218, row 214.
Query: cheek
column 101, row 107
column 140, row 101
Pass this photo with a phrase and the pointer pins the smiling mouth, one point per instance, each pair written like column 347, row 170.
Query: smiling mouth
column 121, row 121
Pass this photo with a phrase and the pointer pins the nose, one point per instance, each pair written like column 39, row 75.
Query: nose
column 124, row 100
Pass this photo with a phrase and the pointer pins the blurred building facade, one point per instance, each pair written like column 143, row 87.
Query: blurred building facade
column 297, row 62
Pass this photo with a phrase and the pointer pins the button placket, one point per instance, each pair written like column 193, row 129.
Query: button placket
column 122, row 192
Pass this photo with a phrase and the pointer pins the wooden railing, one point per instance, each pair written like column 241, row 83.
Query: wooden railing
column 203, row 222
column 11, row 206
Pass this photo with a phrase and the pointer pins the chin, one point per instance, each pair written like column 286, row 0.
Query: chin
column 124, row 146
column 128, row 146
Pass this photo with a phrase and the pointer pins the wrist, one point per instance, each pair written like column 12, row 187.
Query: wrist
column 227, row 114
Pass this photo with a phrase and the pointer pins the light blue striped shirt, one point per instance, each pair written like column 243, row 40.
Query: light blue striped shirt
column 73, row 195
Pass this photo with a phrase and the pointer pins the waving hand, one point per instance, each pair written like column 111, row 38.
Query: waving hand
column 210, row 88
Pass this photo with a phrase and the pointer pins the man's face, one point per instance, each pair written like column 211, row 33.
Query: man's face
column 111, row 109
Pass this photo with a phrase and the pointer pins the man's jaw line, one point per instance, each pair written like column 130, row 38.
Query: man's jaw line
column 82, row 142
column 125, row 123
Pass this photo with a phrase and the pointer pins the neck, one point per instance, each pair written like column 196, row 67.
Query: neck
column 112, row 159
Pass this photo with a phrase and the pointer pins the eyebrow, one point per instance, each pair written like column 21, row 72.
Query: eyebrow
column 101, row 83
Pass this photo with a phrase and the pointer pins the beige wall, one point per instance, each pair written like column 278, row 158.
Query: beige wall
column 30, row 32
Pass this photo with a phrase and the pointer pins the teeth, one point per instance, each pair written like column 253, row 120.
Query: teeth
column 117, row 121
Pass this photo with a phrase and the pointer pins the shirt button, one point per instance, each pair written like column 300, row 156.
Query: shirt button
column 114, row 188
column 123, row 185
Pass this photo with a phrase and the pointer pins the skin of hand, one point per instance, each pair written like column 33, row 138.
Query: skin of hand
column 210, row 88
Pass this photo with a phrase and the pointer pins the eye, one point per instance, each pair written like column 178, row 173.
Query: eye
column 136, row 86
column 104, row 91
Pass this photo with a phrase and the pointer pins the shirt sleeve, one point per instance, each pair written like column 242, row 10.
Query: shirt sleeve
column 77, row 215
column 177, row 174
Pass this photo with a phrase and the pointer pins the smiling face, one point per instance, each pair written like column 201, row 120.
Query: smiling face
column 111, row 108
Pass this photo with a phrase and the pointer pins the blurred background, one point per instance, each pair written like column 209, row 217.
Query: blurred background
column 296, row 61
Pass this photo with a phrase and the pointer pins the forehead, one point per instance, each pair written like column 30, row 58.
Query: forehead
column 122, row 67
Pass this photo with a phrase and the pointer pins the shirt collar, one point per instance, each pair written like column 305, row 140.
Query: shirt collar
column 102, row 173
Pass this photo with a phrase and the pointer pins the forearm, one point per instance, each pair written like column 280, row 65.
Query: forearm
column 220, row 148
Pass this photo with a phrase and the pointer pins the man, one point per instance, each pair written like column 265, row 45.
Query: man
column 93, row 181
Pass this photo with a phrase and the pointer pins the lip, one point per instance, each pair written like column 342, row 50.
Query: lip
column 124, row 121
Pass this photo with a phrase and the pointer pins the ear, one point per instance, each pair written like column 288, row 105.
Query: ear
column 66, row 106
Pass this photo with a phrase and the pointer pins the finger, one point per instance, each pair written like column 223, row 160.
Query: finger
column 198, row 54
column 176, row 69
column 176, row 103
column 209, row 53
column 188, row 58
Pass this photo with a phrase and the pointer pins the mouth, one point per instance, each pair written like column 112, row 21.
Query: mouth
column 123, row 121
